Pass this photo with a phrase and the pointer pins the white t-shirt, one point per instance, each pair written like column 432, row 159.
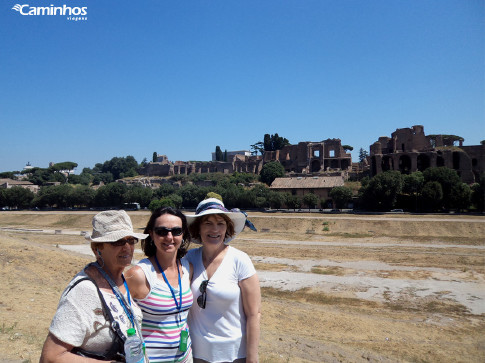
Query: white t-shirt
column 79, row 319
column 218, row 332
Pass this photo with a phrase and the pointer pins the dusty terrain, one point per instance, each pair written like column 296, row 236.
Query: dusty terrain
column 336, row 288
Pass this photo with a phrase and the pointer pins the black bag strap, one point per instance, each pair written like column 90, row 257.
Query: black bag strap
column 114, row 352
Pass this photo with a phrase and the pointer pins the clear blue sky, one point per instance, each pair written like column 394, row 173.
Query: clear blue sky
column 181, row 76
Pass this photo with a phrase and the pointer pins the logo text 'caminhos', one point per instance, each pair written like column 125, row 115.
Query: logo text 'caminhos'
column 26, row 9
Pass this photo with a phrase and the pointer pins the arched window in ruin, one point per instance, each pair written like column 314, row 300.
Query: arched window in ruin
column 440, row 161
column 332, row 153
column 373, row 164
column 315, row 167
column 387, row 163
column 344, row 164
column 456, row 160
column 423, row 162
column 405, row 164
column 316, row 153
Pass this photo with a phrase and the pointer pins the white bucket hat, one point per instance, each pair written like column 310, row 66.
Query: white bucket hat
column 111, row 226
column 215, row 206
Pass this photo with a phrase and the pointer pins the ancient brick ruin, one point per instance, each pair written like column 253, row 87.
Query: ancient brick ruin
column 303, row 158
column 409, row 150
column 312, row 157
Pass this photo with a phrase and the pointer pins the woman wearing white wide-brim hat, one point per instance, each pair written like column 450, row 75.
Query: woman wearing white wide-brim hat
column 95, row 311
column 224, row 324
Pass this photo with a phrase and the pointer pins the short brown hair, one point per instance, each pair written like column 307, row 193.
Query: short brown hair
column 194, row 228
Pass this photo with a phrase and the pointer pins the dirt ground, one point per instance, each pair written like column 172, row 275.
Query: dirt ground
column 335, row 288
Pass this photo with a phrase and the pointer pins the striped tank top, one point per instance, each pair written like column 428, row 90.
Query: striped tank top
column 162, row 321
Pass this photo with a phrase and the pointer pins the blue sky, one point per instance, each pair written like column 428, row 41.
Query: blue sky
column 181, row 77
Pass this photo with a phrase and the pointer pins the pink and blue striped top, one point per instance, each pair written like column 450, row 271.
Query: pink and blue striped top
column 162, row 321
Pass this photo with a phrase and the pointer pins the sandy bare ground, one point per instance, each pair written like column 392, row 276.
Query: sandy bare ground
column 335, row 288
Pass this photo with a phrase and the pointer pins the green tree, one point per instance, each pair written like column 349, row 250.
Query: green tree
column 310, row 200
column 154, row 156
column 3, row 198
column 450, row 183
column 82, row 196
column 176, row 200
column 432, row 196
column 18, row 197
column 461, row 197
column 164, row 190
column 257, row 147
column 110, row 195
column 9, row 175
column 138, row 194
column 276, row 199
column 292, row 201
column 64, row 167
column 363, row 155
column 59, row 196
column 478, row 194
column 191, row 195
column 382, row 190
column 155, row 204
column 213, row 195
column 341, row 196
column 219, row 155
column 347, row 148
column 270, row 171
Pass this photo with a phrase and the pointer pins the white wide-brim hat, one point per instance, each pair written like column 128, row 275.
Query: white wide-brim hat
column 215, row 206
column 111, row 226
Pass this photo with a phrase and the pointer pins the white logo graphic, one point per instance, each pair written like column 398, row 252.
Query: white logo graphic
column 73, row 13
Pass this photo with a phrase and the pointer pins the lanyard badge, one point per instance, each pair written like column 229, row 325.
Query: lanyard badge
column 184, row 337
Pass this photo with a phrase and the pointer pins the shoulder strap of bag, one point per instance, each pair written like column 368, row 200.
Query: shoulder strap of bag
column 118, row 344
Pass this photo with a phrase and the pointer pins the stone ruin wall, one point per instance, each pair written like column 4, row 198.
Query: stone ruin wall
column 409, row 150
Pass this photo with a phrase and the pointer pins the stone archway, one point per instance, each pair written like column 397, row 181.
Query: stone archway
column 315, row 166
column 405, row 164
column 423, row 162
column 387, row 163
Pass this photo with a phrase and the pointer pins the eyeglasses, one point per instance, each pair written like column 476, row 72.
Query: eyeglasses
column 163, row 231
column 122, row 242
column 201, row 300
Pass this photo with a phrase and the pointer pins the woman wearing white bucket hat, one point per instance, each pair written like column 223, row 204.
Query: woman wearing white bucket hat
column 224, row 324
column 95, row 310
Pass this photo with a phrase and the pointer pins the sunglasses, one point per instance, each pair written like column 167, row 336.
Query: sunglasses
column 122, row 242
column 201, row 300
column 163, row 231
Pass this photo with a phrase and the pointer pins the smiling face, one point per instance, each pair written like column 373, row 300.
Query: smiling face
column 213, row 229
column 167, row 243
column 117, row 257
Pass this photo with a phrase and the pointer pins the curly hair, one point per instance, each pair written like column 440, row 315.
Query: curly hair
column 194, row 227
column 148, row 246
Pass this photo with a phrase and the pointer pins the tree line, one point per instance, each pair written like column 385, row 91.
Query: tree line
column 434, row 190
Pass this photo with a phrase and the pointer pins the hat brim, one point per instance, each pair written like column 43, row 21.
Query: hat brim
column 117, row 235
column 238, row 218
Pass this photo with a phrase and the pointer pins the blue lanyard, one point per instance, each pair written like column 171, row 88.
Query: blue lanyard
column 118, row 295
column 178, row 305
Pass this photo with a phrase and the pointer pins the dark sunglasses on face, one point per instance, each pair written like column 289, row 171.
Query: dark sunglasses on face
column 122, row 242
column 163, row 231
column 201, row 300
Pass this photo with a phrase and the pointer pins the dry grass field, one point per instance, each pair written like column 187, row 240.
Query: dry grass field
column 335, row 288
